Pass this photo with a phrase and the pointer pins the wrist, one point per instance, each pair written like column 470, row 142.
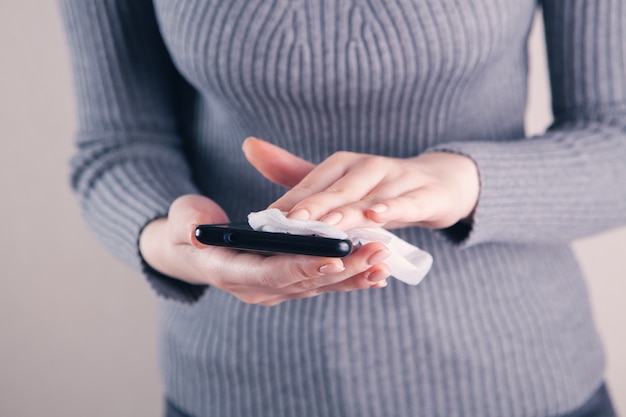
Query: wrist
column 161, row 253
column 150, row 244
column 460, row 173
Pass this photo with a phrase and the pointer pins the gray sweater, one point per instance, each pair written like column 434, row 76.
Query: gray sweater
column 500, row 327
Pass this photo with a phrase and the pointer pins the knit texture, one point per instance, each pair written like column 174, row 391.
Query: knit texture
column 500, row 327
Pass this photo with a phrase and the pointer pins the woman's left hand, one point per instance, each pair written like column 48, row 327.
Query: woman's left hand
column 349, row 190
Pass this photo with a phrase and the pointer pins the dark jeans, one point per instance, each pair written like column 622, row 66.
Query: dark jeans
column 599, row 405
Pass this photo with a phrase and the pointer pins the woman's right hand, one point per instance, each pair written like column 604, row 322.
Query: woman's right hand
column 169, row 246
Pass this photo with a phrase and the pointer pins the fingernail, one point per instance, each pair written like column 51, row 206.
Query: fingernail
column 300, row 214
column 379, row 208
column 331, row 269
column 377, row 276
column 332, row 218
column 380, row 284
column 246, row 142
column 379, row 256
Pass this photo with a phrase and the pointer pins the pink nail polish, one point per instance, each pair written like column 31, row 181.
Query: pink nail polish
column 379, row 256
column 379, row 208
column 377, row 276
column 332, row 218
column 329, row 269
column 300, row 214
column 379, row 284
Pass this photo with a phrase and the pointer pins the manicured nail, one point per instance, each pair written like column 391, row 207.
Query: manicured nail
column 379, row 208
column 380, row 284
column 377, row 276
column 332, row 218
column 379, row 256
column 300, row 214
column 331, row 269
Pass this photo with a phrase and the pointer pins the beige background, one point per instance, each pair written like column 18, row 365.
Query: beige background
column 77, row 329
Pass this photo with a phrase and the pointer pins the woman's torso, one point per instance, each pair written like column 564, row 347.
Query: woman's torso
column 496, row 329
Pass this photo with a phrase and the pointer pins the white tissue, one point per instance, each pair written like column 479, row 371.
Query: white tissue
column 408, row 263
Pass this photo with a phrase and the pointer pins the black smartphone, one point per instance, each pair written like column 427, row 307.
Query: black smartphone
column 234, row 237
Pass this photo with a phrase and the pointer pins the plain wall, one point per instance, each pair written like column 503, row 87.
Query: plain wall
column 77, row 328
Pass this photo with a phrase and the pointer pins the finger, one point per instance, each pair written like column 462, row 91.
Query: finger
column 307, row 276
column 374, row 277
column 360, row 261
column 429, row 206
column 354, row 214
column 248, row 272
column 351, row 216
column 188, row 211
column 279, row 272
column 341, row 179
column 305, row 273
column 275, row 163
column 319, row 179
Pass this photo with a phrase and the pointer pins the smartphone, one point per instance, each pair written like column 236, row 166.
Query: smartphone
column 247, row 239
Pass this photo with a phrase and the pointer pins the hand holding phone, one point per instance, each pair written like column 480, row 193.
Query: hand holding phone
column 169, row 246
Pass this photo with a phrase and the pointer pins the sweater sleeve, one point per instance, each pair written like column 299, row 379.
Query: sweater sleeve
column 129, row 163
column 571, row 181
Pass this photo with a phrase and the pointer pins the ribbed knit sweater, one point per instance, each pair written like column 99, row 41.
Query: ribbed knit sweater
column 501, row 326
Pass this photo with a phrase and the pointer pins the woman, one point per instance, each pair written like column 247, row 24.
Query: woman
column 404, row 114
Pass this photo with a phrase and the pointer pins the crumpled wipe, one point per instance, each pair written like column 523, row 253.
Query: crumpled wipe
column 408, row 263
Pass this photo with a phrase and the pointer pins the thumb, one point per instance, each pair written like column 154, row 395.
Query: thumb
column 189, row 211
column 275, row 163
